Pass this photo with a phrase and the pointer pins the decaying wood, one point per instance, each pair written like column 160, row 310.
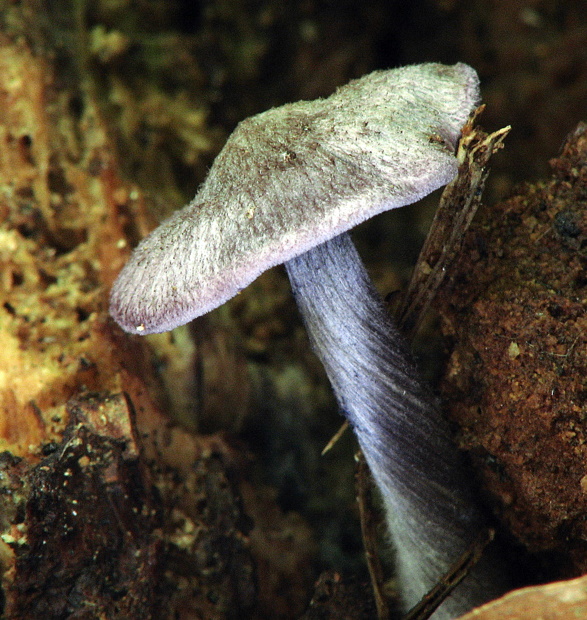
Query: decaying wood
column 107, row 508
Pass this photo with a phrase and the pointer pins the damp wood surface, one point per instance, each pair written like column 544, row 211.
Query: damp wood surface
column 108, row 509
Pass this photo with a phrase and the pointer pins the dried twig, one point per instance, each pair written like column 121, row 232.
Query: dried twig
column 339, row 433
column 428, row 605
column 369, row 533
column 458, row 205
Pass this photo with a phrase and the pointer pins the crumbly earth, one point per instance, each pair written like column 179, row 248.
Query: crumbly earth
column 516, row 323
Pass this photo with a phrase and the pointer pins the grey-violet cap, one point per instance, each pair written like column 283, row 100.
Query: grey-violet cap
column 291, row 178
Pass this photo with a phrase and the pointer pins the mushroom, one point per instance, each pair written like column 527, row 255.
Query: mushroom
column 285, row 188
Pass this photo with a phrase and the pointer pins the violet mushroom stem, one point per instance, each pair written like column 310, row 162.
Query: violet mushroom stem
column 430, row 512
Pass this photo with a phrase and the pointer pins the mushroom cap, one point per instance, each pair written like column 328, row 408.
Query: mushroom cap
column 291, row 178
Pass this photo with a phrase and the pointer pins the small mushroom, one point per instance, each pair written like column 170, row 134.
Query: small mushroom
column 286, row 187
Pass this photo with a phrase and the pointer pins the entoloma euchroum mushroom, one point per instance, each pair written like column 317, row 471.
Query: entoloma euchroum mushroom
column 286, row 187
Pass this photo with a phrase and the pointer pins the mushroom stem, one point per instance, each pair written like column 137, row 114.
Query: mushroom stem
column 431, row 514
